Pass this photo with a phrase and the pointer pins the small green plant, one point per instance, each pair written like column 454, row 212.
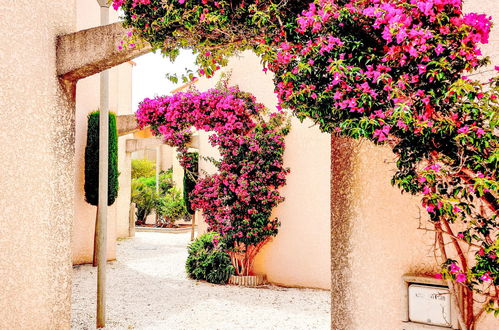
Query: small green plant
column 168, row 202
column 144, row 196
column 208, row 261
column 170, row 207
column 143, row 168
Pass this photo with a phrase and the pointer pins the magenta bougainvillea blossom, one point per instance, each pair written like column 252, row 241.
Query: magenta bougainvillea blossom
column 237, row 201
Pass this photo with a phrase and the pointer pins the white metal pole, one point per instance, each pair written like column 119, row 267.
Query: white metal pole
column 158, row 166
column 103, row 182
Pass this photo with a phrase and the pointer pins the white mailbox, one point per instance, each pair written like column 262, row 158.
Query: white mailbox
column 429, row 304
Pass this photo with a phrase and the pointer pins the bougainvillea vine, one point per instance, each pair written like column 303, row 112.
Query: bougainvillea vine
column 237, row 201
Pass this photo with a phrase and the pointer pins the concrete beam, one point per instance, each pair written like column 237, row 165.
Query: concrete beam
column 133, row 145
column 84, row 53
column 127, row 124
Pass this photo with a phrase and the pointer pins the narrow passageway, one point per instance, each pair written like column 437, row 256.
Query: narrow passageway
column 149, row 289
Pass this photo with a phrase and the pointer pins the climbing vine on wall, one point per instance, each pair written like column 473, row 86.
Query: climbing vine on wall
column 396, row 72
column 237, row 201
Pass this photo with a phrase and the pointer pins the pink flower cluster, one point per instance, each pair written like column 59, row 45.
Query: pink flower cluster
column 238, row 200
column 411, row 36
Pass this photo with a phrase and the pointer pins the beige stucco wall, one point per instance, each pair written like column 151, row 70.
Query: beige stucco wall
column 300, row 254
column 377, row 228
column 36, row 173
column 87, row 100
column 375, row 240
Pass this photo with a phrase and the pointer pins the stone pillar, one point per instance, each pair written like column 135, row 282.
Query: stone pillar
column 36, row 166
column 343, row 160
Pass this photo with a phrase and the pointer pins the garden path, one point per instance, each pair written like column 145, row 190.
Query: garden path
column 147, row 288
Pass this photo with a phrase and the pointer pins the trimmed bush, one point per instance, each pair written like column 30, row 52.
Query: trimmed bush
column 170, row 207
column 143, row 168
column 208, row 261
column 144, row 196
column 190, row 179
column 92, row 160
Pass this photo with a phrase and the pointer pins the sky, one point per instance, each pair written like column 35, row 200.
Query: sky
column 149, row 75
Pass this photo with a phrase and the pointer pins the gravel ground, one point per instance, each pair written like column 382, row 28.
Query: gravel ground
column 147, row 288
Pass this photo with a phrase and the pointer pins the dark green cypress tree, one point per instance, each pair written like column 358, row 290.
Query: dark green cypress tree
column 190, row 178
column 92, row 160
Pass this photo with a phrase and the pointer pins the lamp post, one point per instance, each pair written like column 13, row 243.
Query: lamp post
column 101, row 227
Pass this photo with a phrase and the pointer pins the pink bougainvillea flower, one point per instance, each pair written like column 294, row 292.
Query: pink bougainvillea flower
column 439, row 276
column 382, row 134
column 439, row 49
column 435, row 167
column 485, row 277
column 454, row 268
column 463, row 130
column 461, row 277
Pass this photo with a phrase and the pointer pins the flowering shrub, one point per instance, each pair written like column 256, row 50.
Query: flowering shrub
column 391, row 71
column 238, row 200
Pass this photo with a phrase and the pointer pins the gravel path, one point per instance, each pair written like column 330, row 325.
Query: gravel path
column 147, row 288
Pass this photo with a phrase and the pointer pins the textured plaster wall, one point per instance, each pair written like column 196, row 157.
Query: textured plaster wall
column 300, row 254
column 36, row 173
column 375, row 240
column 87, row 100
column 374, row 233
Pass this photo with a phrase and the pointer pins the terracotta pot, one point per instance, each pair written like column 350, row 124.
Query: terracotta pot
column 250, row 281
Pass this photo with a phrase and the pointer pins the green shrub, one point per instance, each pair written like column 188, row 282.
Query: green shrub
column 208, row 261
column 167, row 203
column 92, row 160
column 166, row 181
column 150, row 182
column 143, row 168
column 170, row 207
column 144, row 196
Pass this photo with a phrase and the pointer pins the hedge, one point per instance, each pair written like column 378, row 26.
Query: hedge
column 92, row 160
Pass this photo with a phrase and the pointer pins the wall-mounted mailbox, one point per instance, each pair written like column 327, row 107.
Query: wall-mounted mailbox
column 430, row 305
